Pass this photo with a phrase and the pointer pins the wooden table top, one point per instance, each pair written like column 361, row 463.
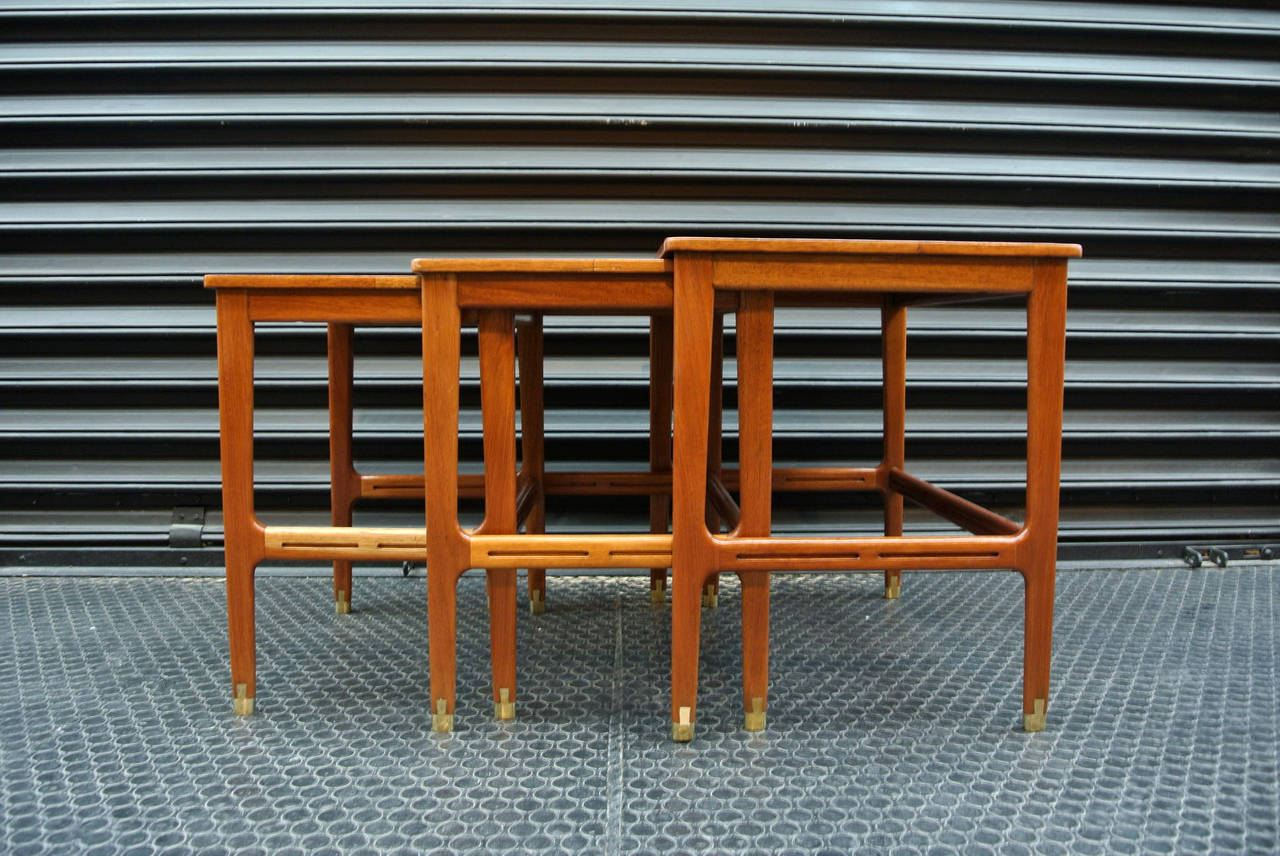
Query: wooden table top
column 866, row 247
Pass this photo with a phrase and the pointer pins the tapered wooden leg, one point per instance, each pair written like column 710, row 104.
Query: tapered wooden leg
column 498, row 405
column 447, row 554
column 660, row 341
column 344, row 485
column 532, row 445
column 240, row 621
column 893, row 326
column 692, row 555
column 442, row 628
column 755, row 432
column 715, row 443
column 1046, row 345
column 1038, row 579
column 686, row 628
column 243, row 534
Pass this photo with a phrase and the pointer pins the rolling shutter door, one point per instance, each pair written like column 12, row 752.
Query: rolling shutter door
column 147, row 144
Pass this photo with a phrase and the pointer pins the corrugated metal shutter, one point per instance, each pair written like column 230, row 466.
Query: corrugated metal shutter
column 146, row 144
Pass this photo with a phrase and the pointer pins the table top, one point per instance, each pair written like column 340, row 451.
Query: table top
column 536, row 266
column 311, row 282
column 572, row 268
column 866, row 247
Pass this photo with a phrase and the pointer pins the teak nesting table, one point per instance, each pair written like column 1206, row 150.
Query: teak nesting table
column 685, row 293
column 889, row 275
column 344, row 302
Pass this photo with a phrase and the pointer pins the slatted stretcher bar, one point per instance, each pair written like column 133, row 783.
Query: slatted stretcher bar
column 371, row 543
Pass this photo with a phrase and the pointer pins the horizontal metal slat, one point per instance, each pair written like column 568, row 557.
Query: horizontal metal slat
column 657, row 109
column 184, row 271
column 1135, row 324
column 1005, row 13
column 405, row 372
column 400, row 423
column 619, row 162
column 669, row 216
column 513, row 55
column 962, row 474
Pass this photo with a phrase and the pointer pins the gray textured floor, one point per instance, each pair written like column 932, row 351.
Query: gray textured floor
column 894, row 726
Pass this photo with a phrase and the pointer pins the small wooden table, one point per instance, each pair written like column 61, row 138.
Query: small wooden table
column 888, row 275
column 344, row 302
column 496, row 290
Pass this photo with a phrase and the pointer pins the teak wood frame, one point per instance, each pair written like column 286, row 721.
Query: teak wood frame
column 889, row 275
column 495, row 290
column 343, row 302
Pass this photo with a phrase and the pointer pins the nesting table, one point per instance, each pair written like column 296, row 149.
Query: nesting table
column 685, row 293
column 889, row 276
column 344, row 302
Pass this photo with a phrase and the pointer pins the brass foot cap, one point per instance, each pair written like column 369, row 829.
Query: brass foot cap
column 537, row 602
column 892, row 590
column 753, row 720
column 341, row 604
column 682, row 727
column 710, row 599
column 504, row 708
column 441, row 721
column 657, row 595
column 1034, row 721
column 243, row 702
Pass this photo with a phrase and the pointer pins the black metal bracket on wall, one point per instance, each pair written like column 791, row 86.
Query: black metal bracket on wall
column 1196, row 556
column 186, row 527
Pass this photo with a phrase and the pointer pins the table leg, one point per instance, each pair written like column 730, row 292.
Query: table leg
column 244, row 537
column 715, row 444
column 447, row 553
column 692, row 553
column 498, row 405
column 893, row 328
column 532, row 442
column 1046, row 346
column 755, row 431
column 660, row 342
column 344, row 482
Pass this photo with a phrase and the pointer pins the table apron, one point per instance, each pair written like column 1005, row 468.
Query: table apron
column 874, row 273
column 339, row 306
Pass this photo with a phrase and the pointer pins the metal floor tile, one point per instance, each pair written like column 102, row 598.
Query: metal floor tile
column 894, row 726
